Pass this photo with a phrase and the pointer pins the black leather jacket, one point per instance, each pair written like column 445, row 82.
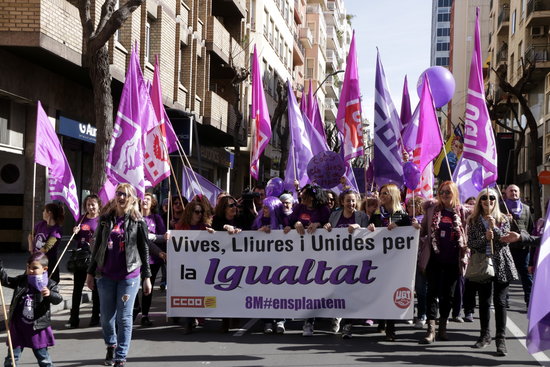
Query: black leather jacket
column 135, row 239
column 42, row 304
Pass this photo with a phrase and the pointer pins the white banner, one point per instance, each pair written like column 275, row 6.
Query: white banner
column 327, row 274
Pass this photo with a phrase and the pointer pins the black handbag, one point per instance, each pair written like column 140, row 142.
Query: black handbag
column 79, row 261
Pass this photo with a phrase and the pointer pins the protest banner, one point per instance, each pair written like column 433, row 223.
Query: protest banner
column 276, row 275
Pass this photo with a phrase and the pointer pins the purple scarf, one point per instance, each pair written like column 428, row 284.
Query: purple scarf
column 515, row 207
column 38, row 282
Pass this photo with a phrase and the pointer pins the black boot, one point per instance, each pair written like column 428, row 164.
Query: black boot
column 500, row 341
column 109, row 356
column 484, row 340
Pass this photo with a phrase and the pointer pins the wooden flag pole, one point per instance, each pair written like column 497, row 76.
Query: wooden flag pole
column 32, row 207
column 67, row 246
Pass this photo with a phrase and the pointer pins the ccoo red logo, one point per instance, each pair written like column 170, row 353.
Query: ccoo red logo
column 403, row 297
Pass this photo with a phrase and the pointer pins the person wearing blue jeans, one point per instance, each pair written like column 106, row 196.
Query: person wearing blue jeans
column 119, row 257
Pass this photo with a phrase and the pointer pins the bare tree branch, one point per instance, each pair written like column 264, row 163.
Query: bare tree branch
column 101, row 37
column 85, row 18
column 107, row 11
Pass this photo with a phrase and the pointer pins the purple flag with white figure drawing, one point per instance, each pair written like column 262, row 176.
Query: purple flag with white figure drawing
column 538, row 331
column 479, row 138
column 260, row 116
column 300, row 151
column 428, row 139
column 135, row 117
column 388, row 163
column 348, row 119
column 49, row 153
column 463, row 177
column 191, row 187
column 107, row 192
column 405, row 115
column 161, row 140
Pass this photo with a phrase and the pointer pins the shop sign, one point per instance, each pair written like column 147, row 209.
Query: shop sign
column 76, row 129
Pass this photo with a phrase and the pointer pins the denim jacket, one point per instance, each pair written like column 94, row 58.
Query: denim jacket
column 135, row 239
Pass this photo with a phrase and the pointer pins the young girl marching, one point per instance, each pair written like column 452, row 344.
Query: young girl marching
column 30, row 321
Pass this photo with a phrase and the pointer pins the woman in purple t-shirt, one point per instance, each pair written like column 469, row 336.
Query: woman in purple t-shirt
column 83, row 239
column 119, row 255
column 47, row 235
column 157, row 250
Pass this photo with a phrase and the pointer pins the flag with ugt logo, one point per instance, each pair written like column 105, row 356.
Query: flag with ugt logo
column 349, row 119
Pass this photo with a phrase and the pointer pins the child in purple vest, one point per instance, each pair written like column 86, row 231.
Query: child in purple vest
column 30, row 319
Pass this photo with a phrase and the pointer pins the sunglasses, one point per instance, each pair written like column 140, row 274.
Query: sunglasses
column 232, row 205
column 121, row 193
column 445, row 192
column 484, row 197
column 198, row 211
column 330, row 199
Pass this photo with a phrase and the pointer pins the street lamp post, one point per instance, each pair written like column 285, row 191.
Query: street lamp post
column 326, row 78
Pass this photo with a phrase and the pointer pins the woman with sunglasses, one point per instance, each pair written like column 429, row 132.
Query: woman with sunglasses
column 442, row 255
column 332, row 200
column 389, row 215
column 487, row 230
column 120, row 255
column 157, row 249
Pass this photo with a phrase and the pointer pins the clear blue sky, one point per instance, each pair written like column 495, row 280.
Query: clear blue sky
column 401, row 31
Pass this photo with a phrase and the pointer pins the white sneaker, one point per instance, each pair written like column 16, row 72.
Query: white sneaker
column 308, row 329
column 280, row 327
column 268, row 328
column 346, row 331
column 419, row 324
column 336, row 324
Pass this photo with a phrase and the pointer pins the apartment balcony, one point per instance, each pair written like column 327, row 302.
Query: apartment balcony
column 503, row 21
column 334, row 38
column 218, row 39
column 332, row 61
column 298, row 53
column 233, row 8
column 299, row 11
column 331, row 111
column 306, row 37
column 502, row 55
column 237, row 55
column 331, row 89
column 215, row 111
column 540, row 57
column 538, row 13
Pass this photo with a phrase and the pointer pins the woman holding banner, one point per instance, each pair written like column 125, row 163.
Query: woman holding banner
column 312, row 213
column 442, row 255
column 351, row 218
column 119, row 256
column 488, row 229
column 390, row 215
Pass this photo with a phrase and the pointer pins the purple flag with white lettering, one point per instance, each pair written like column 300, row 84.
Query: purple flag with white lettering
column 135, row 117
column 388, row 164
column 300, row 150
column 49, row 153
column 479, row 138
column 538, row 334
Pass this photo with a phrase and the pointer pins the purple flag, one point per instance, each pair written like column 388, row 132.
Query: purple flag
column 135, row 117
column 300, row 150
column 49, row 153
column 317, row 121
column 410, row 132
column 191, row 187
column 161, row 140
column 388, row 165
column 260, row 116
column 317, row 142
column 463, row 175
column 405, row 115
column 428, row 140
column 479, row 139
column 538, row 334
column 348, row 119
column 107, row 192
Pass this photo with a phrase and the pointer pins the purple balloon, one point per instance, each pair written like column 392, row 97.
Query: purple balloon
column 442, row 84
column 477, row 178
column 326, row 169
column 274, row 187
column 411, row 175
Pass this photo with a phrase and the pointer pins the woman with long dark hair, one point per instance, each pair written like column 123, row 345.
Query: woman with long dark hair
column 47, row 234
column 443, row 255
column 119, row 257
column 83, row 240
